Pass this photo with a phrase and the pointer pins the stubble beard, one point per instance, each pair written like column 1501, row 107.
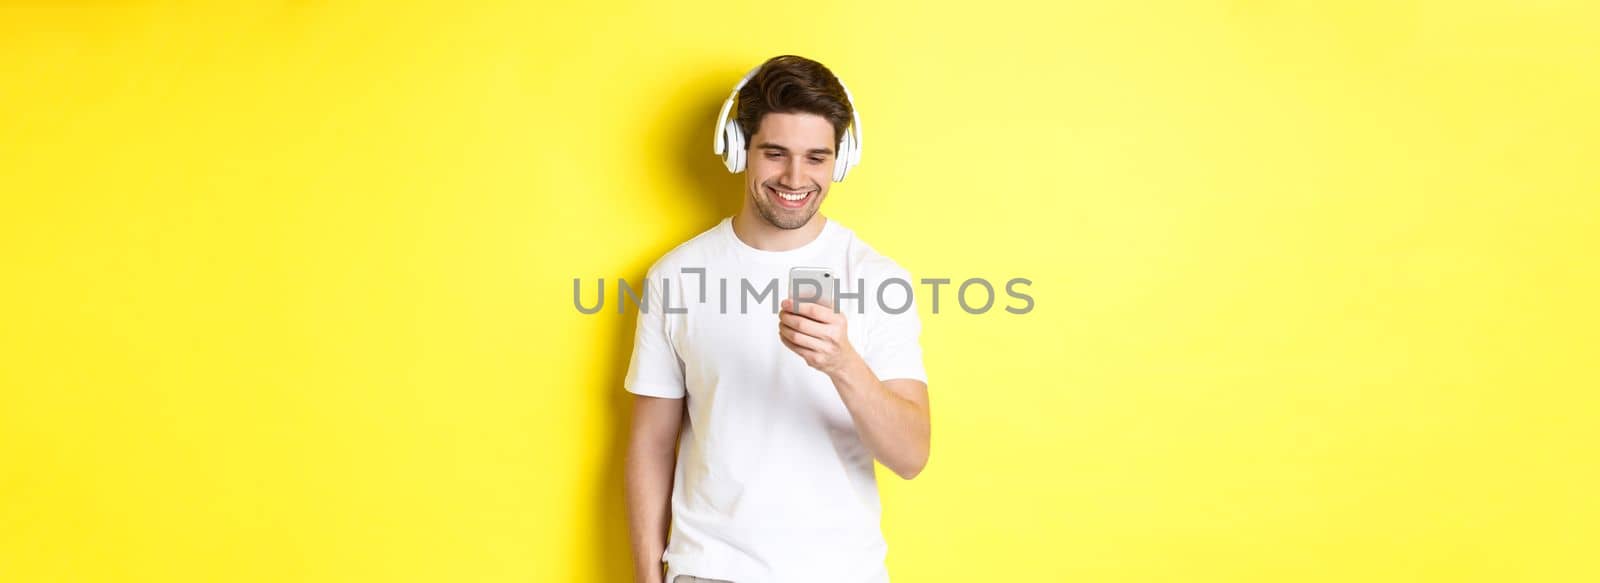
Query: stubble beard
column 783, row 218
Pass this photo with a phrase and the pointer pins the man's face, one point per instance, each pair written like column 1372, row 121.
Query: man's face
column 791, row 154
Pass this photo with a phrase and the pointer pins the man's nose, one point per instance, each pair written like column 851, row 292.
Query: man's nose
column 793, row 174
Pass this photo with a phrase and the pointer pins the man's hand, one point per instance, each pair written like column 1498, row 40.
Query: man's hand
column 817, row 333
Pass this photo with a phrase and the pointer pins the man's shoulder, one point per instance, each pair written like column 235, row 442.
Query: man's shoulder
column 872, row 265
column 695, row 252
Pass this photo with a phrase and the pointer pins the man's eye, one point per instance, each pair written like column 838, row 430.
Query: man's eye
column 816, row 160
column 773, row 155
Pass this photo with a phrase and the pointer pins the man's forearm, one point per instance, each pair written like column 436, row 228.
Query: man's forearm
column 896, row 430
column 649, row 495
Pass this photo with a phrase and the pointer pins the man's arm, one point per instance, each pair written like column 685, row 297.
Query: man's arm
column 652, row 455
column 891, row 416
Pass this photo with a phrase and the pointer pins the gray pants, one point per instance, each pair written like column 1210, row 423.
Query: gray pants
column 694, row 579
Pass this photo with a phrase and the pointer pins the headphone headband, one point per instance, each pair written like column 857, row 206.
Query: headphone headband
column 727, row 104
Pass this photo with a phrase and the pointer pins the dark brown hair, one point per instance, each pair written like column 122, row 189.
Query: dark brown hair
column 793, row 84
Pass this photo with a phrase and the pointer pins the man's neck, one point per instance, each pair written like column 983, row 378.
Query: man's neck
column 760, row 234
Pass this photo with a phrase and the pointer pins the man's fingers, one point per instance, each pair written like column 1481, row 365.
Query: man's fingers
column 789, row 335
column 810, row 310
column 802, row 324
column 796, row 348
column 819, row 312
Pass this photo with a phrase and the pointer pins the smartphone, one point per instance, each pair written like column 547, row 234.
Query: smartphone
column 812, row 284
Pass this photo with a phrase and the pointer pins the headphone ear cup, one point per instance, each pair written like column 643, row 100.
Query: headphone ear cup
column 736, row 151
column 840, row 154
column 841, row 160
column 727, row 147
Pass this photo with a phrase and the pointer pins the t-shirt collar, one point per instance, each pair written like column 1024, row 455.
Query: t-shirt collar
column 829, row 228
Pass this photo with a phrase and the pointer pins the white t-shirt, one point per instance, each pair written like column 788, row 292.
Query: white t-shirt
column 772, row 483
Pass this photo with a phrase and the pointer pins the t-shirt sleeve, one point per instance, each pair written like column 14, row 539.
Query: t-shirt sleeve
column 655, row 369
column 894, row 349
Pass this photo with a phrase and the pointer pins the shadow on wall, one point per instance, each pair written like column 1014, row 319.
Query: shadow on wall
column 682, row 133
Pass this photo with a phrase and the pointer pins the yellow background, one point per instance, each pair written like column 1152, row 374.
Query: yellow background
column 287, row 286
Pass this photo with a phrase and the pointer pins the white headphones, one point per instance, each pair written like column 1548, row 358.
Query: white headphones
column 730, row 140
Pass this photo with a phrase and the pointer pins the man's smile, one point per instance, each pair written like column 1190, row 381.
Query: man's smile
column 789, row 198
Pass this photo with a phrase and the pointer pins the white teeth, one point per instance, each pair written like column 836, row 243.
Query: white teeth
column 791, row 197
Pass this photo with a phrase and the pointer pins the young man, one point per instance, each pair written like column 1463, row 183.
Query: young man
column 770, row 476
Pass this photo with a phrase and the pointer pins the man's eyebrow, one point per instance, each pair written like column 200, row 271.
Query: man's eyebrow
column 772, row 146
